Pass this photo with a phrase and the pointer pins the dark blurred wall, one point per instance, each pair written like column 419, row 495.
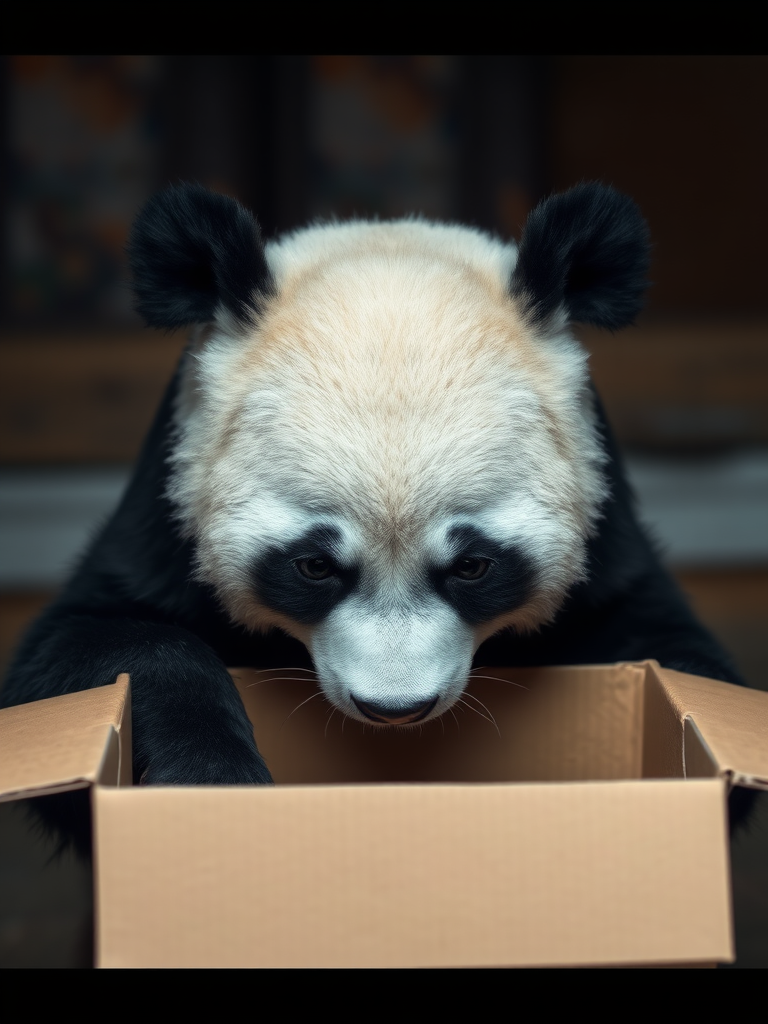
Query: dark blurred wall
column 686, row 137
column 80, row 149
column 479, row 139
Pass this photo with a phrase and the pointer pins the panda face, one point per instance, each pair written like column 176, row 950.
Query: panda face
column 384, row 437
column 388, row 462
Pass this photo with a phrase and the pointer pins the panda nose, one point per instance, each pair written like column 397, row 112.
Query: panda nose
column 388, row 714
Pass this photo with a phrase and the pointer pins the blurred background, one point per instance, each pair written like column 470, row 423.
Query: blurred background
column 87, row 140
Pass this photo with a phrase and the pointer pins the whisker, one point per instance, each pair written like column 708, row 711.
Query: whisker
column 498, row 679
column 486, row 709
column 491, row 720
column 458, row 727
column 309, row 698
column 279, row 679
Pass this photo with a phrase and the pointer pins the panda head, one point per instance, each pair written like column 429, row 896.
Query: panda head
column 385, row 442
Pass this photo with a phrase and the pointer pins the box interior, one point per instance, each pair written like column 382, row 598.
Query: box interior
column 512, row 725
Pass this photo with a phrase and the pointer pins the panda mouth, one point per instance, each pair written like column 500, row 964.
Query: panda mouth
column 387, row 715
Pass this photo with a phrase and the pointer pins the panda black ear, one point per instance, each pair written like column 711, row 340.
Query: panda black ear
column 584, row 253
column 192, row 252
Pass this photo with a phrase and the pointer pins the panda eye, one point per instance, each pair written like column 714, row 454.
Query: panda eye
column 470, row 568
column 316, row 568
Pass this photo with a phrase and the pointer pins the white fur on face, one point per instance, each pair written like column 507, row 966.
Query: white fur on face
column 391, row 389
column 395, row 657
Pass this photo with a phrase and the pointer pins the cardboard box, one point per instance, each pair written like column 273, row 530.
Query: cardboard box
column 563, row 816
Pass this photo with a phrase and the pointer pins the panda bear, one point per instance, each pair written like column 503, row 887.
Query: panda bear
column 381, row 457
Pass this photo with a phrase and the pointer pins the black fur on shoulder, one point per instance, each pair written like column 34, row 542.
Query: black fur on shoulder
column 585, row 252
column 192, row 251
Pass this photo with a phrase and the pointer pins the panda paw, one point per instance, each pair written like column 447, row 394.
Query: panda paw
column 208, row 769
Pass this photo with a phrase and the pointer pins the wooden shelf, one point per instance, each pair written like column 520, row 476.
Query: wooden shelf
column 83, row 399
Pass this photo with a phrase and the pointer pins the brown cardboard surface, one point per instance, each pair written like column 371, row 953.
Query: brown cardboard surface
column 66, row 742
column 391, row 876
column 731, row 720
column 562, row 724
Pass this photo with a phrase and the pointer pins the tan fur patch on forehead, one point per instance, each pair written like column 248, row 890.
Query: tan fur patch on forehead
column 367, row 294
column 394, row 371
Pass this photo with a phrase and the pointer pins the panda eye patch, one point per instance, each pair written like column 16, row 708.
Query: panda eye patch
column 316, row 568
column 470, row 568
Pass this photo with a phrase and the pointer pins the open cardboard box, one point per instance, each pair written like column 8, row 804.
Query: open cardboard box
column 561, row 816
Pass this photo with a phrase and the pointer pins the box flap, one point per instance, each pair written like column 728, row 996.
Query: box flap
column 413, row 876
column 731, row 721
column 66, row 742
